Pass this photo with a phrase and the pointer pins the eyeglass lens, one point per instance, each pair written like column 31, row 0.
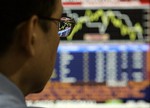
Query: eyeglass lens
column 65, row 26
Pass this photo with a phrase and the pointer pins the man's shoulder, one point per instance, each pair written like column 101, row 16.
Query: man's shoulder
column 9, row 101
column 10, row 95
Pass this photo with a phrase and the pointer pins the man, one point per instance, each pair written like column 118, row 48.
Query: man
column 28, row 46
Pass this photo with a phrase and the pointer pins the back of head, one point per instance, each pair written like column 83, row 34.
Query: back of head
column 13, row 12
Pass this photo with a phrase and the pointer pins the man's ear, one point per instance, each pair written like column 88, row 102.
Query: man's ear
column 28, row 35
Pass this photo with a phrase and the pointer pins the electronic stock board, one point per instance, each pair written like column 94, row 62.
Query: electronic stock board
column 124, row 23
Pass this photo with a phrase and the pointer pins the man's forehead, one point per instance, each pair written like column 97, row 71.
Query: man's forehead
column 57, row 13
column 60, row 11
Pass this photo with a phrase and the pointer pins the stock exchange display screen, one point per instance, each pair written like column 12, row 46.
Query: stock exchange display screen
column 118, row 23
column 113, row 70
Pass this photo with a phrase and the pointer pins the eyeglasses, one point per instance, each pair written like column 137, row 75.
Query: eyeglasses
column 65, row 25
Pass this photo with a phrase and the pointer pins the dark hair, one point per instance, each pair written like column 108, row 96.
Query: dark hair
column 13, row 12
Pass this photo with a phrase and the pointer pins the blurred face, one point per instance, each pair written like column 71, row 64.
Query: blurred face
column 45, row 50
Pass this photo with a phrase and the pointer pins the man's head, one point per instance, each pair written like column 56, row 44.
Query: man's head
column 28, row 44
